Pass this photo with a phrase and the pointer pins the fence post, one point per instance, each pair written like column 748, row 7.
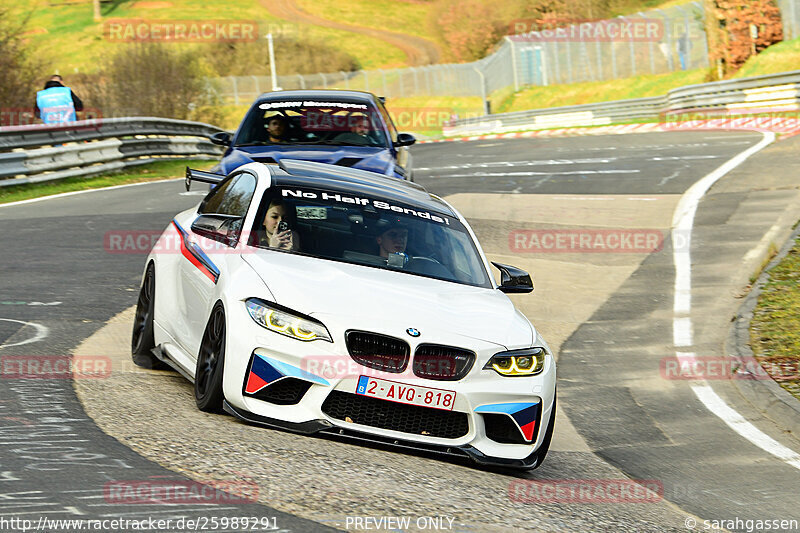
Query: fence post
column 483, row 90
column 649, row 47
column 427, row 71
column 400, row 80
column 513, row 62
column 668, row 38
column 324, row 80
column 569, row 61
column 235, row 90
column 705, row 37
column 599, row 58
column 687, row 40
column 613, row 59
column 346, row 79
column 543, row 57
column 366, row 80
column 633, row 54
column 258, row 86
column 585, row 58
column 416, row 81
column 557, row 72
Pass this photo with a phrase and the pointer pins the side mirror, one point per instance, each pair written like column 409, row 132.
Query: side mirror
column 220, row 228
column 222, row 138
column 405, row 139
column 514, row 280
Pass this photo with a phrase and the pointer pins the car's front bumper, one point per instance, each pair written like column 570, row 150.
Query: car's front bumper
column 324, row 427
column 481, row 395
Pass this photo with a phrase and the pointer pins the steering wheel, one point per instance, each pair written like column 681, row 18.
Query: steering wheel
column 429, row 266
column 428, row 259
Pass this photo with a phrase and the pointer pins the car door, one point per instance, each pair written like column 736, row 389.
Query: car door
column 198, row 276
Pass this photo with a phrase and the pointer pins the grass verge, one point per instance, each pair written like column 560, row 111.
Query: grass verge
column 781, row 57
column 150, row 172
column 599, row 91
column 66, row 34
column 775, row 328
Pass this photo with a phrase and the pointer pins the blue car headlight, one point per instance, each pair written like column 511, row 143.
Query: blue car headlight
column 527, row 362
column 286, row 322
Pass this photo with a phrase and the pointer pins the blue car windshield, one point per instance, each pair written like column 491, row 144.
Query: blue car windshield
column 313, row 122
column 368, row 231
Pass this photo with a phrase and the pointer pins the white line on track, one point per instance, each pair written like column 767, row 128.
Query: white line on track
column 526, row 163
column 682, row 223
column 567, row 173
column 73, row 193
column 41, row 332
column 744, row 428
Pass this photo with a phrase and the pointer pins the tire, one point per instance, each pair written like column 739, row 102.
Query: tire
column 142, row 340
column 211, row 364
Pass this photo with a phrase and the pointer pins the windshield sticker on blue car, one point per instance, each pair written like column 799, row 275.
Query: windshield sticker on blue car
column 356, row 200
column 311, row 103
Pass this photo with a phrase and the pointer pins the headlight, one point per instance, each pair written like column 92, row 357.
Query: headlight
column 285, row 322
column 528, row 362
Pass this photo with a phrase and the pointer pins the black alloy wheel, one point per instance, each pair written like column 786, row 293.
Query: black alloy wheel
column 210, row 363
column 142, row 339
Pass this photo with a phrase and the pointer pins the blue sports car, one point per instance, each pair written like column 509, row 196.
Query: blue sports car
column 346, row 128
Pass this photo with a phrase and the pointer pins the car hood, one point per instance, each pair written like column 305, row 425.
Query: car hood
column 356, row 297
column 373, row 159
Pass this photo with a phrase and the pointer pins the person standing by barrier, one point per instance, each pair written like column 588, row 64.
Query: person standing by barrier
column 56, row 103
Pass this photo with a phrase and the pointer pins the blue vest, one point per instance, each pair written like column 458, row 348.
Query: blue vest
column 55, row 105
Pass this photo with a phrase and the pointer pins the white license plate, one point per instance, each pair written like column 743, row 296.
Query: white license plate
column 405, row 393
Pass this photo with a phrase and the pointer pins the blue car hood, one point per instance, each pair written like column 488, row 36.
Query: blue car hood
column 369, row 158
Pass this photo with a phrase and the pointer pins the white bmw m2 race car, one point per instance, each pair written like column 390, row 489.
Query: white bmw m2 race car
column 323, row 299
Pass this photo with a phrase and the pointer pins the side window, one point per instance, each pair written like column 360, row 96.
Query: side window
column 389, row 124
column 231, row 197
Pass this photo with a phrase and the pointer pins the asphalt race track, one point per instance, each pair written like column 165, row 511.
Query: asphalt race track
column 610, row 315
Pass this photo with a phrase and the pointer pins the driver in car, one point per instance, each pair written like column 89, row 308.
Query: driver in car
column 276, row 129
column 393, row 240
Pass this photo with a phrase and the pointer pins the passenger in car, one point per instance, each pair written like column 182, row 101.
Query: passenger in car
column 359, row 133
column 278, row 223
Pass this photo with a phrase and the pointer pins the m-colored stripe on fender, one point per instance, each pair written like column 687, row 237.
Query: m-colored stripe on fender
column 195, row 255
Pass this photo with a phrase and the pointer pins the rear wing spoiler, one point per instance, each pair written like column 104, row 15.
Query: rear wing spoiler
column 201, row 176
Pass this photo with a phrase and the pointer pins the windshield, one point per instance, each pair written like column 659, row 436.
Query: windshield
column 313, row 122
column 368, row 231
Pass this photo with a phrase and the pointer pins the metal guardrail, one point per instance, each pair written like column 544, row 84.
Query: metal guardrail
column 775, row 92
column 36, row 153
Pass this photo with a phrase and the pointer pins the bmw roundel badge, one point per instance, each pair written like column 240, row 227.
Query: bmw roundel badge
column 413, row 332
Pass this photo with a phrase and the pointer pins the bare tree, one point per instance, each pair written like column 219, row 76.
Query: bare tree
column 17, row 90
